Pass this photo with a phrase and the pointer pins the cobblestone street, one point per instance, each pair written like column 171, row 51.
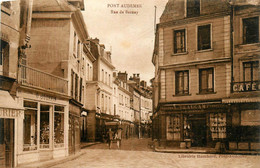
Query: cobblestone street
column 136, row 153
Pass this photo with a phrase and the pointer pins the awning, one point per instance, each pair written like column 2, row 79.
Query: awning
column 9, row 108
column 242, row 100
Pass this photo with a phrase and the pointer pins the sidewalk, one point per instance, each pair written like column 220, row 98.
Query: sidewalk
column 203, row 150
column 53, row 162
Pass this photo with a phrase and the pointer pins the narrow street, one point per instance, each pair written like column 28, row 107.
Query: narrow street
column 136, row 153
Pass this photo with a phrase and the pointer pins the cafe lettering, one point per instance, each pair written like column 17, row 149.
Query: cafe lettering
column 245, row 87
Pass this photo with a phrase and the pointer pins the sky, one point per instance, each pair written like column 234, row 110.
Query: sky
column 129, row 36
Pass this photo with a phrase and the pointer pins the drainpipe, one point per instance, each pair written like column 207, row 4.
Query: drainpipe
column 232, row 45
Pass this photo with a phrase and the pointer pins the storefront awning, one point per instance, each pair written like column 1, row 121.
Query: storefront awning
column 9, row 108
column 242, row 100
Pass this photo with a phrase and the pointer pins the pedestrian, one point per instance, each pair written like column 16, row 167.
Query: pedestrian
column 110, row 138
column 119, row 137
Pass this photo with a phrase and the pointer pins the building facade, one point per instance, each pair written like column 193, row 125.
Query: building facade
column 100, row 92
column 15, row 35
column 192, row 59
column 51, row 75
column 244, row 100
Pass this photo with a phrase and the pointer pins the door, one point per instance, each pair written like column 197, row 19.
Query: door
column 6, row 143
column 71, row 135
column 198, row 130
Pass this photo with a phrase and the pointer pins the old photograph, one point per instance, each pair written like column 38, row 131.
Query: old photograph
column 129, row 83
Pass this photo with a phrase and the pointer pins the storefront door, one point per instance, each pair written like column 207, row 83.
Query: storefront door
column 198, row 130
column 6, row 142
column 74, row 134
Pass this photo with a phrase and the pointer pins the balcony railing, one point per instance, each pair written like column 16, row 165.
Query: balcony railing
column 245, row 86
column 29, row 76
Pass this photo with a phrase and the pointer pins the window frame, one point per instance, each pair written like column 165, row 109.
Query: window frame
column 213, row 80
column 175, row 49
column 244, row 37
column 177, row 92
column 210, row 37
column 251, row 70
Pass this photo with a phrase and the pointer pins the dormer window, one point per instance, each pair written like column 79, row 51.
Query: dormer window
column 193, row 8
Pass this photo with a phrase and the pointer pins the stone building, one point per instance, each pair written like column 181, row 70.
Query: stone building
column 192, row 59
column 244, row 113
column 51, row 78
column 15, row 34
column 100, row 92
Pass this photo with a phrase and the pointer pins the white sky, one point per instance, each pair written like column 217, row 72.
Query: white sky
column 130, row 36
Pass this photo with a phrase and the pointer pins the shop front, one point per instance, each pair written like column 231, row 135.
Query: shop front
column 74, row 127
column 245, row 127
column 42, row 134
column 195, row 125
column 10, row 112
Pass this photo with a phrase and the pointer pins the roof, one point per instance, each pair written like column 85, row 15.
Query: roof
column 52, row 6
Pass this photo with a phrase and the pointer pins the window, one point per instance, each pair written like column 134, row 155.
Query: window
column 193, row 8
column 206, row 80
column 102, row 103
column 4, row 54
column 109, row 80
column 251, row 30
column 75, row 42
column 102, row 77
column 173, row 127
column 179, row 41
column 30, row 126
column 76, row 86
column 58, row 126
column 182, row 82
column 72, row 84
column 204, row 39
column 45, row 126
column 78, row 49
column 80, row 90
column 6, row 4
column 251, row 71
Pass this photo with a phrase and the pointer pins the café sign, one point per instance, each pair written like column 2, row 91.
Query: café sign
column 245, row 87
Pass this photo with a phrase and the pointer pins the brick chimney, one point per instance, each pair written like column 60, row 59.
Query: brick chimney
column 122, row 76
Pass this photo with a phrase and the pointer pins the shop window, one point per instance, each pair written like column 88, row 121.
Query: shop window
column 179, row 41
column 251, row 71
column 250, row 117
column 58, row 126
column 218, row 125
column 251, row 30
column 44, row 126
column 193, row 8
column 173, row 125
column 30, row 126
column 206, row 80
column 182, row 82
column 204, row 37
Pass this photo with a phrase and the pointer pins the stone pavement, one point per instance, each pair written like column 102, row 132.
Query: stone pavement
column 137, row 153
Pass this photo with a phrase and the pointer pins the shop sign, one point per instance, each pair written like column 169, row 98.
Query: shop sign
column 245, row 87
column 11, row 113
column 194, row 106
column 45, row 97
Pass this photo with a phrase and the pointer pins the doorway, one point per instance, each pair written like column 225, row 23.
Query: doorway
column 6, row 142
column 198, row 130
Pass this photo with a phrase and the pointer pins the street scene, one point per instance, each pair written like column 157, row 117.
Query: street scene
column 112, row 83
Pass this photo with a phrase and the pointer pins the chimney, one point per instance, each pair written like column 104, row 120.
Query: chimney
column 96, row 40
column 122, row 76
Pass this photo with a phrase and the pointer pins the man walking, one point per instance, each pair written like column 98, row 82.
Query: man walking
column 119, row 137
column 110, row 138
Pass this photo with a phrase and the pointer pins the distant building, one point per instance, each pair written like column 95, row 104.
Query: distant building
column 99, row 92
